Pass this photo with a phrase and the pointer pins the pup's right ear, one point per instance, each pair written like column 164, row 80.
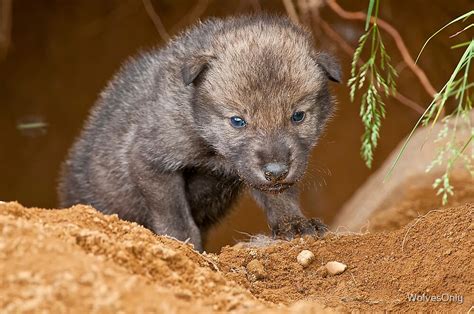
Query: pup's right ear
column 194, row 67
column 330, row 66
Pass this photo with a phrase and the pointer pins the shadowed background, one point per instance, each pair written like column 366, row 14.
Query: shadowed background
column 60, row 54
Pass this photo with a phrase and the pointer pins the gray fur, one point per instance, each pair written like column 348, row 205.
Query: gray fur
column 158, row 147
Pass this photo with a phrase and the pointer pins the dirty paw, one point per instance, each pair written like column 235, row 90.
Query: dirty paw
column 290, row 227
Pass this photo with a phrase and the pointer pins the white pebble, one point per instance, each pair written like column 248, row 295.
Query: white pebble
column 305, row 258
column 335, row 268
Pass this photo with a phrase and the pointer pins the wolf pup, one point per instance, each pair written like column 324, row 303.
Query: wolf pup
column 180, row 130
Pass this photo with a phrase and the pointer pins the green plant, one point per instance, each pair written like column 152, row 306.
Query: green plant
column 457, row 88
column 375, row 77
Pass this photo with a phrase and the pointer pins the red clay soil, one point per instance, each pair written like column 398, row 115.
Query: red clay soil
column 433, row 256
column 77, row 260
column 412, row 200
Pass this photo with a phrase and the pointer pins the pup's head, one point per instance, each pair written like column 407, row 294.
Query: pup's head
column 262, row 98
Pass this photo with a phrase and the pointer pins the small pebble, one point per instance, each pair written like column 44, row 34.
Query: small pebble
column 335, row 268
column 447, row 252
column 305, row 258
column 256, row 270
column 185, row 295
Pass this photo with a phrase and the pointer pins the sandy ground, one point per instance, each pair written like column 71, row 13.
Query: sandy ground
column 77, row 260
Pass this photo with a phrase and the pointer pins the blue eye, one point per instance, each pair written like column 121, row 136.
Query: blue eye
column 237, row 122
column 298, row 116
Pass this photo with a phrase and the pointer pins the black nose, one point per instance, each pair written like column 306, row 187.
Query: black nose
column 275, row 171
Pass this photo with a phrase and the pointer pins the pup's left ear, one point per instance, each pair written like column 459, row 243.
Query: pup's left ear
column 194, row 67
column 330, row 66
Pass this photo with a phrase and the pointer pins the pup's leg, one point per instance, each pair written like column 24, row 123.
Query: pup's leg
column 284, row 215
column 168, row 211
column 210, row 196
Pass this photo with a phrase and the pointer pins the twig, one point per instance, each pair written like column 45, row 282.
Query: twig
column 353, row 279
column 331, row 33
column 461, row 31
column 470, row 310
column 5, row 26
column 303, row 7
column 408, row 102
column 290, row 9
column 350, row 51
column 308, row 9
column 196, row 12
column 396, row 37
column 156, row 20
column 415, row 222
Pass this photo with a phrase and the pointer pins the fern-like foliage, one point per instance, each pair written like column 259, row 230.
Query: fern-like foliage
column 458, row 89
column 375, row 78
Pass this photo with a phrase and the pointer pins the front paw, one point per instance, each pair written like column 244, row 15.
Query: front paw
column 290, row 227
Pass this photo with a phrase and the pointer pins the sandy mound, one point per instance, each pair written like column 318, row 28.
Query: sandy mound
column 432, row 255
column 416, row 198
column 78, row 260
column 408, row 192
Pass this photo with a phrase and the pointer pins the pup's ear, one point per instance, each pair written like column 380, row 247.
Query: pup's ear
column 330, row 66
column 194, row 67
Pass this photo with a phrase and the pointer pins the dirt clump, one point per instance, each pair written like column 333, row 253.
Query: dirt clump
column 78, row 260
column 432, row 256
